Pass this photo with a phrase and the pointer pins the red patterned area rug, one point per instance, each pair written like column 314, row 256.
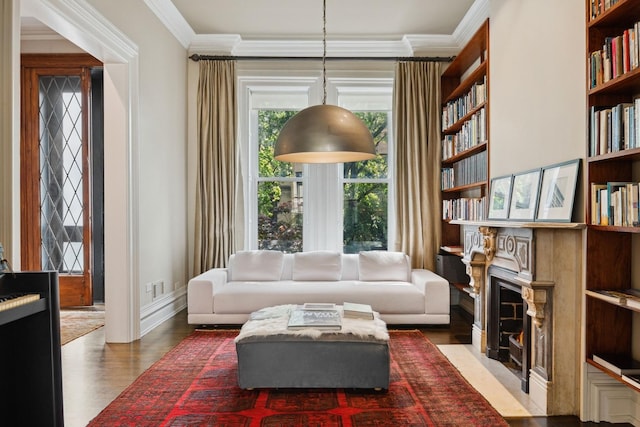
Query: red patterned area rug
column 195, row 385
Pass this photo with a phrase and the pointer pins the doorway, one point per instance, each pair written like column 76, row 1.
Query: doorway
column 61, row 186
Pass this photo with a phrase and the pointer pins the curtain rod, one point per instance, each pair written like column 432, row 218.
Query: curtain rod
column 195, row 57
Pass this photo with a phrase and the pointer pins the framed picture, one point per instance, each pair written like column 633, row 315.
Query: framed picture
column 557, row 191
column 524, row 195
column 499, row 197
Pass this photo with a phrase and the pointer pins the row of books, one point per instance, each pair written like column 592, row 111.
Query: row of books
column 598, row 7
column 615, row 203
column 472, row 133
column 460, row 107
column 614, row 129
column 619, row 55
column 466, row 208
column 467, row 171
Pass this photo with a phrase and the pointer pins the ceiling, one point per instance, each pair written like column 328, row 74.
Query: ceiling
column 301, row 19
column 294, row 27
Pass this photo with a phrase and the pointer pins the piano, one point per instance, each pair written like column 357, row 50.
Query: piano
column 30, row 350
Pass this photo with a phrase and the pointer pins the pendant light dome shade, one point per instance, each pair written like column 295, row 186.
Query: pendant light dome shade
column 324, row 134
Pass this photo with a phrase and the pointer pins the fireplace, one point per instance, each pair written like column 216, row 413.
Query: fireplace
column 508, row 326
column 527, row 277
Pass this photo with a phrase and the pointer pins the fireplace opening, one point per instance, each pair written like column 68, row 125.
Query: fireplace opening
column 508, row 325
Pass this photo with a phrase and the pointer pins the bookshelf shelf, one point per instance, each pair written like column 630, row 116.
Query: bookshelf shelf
column 458, row 125
column 622, row 156
column 611, row 300
column 615, row 228
column 463, row 155
column 473, row 77
column 460, row 188
column 465, row 108
column 609, row 249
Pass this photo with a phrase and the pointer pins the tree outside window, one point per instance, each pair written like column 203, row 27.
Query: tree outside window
column 280, row 198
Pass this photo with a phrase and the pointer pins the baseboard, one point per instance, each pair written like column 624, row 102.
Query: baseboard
column 539, row 391
column 478, row 338
column 162, row 309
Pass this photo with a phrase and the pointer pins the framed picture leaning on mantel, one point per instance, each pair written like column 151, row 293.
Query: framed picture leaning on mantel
column 557, row 191
column 524, row 195
column 499, row 197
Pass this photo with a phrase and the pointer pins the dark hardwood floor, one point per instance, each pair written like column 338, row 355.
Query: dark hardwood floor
column 94, row 373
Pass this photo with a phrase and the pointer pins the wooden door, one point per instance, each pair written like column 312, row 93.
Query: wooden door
column 55, row 176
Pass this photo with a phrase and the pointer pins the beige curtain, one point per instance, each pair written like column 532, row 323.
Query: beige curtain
column 417, row 111
column 216, row 174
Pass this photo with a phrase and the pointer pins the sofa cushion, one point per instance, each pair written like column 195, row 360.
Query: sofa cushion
column 383, row 266
column 317, row 265
column 256, row 265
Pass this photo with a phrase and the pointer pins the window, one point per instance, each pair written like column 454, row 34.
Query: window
column 279, row 189
column 303, row 207
column 365, row 190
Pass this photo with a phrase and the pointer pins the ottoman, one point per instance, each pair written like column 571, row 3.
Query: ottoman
column 271, row 356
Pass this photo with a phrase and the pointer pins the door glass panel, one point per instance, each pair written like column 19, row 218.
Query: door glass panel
column 61, row 173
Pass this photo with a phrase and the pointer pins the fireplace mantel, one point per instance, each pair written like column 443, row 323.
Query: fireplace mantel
column 544, row 258
column 519, row 224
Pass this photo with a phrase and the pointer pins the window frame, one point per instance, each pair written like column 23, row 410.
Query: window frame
column 322, row 228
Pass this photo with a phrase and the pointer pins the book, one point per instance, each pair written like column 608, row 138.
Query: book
column 316, row 319
column 319, row 306
column 618, row 363
column 357, row 311
column 633, row 379
column 596, row 192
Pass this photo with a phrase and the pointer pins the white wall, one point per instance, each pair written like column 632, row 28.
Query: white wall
column 162, row 114
column 537, row 89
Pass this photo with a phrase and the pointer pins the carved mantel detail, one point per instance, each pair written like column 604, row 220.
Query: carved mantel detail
column 509, row 248
column 536, row 302
column 489, row 241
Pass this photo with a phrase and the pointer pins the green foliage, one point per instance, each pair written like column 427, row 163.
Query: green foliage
column 365, row 204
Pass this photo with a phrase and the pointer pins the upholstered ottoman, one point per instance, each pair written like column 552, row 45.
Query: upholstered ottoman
column 271, row 356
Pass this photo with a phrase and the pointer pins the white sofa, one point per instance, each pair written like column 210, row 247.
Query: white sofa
column 259, row 279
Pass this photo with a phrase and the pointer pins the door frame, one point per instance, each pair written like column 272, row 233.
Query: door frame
column 74, row 289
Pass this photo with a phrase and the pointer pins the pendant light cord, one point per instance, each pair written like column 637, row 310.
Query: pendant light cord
column 324, row 52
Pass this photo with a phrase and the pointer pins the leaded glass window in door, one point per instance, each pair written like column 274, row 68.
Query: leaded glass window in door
column 61, row 174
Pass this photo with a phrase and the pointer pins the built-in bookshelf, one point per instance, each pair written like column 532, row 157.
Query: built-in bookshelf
column 465, row 136
column 613, row 153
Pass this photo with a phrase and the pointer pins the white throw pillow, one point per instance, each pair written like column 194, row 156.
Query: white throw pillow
column 317, row 265
column 257, row 266
column 383, row 265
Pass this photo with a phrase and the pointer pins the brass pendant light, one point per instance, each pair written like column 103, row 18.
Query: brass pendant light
column 324, row 133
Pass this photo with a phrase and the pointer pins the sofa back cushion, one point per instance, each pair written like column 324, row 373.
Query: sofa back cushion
column 349, row 267
column 317, row 265
column 256, row 266
column 384, row 266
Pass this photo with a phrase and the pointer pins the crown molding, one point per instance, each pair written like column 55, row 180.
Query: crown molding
column 335, row 48
column 214, row 44
column 233, row 44
column 471, row 21
column 169, row 15
column 432, row 44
